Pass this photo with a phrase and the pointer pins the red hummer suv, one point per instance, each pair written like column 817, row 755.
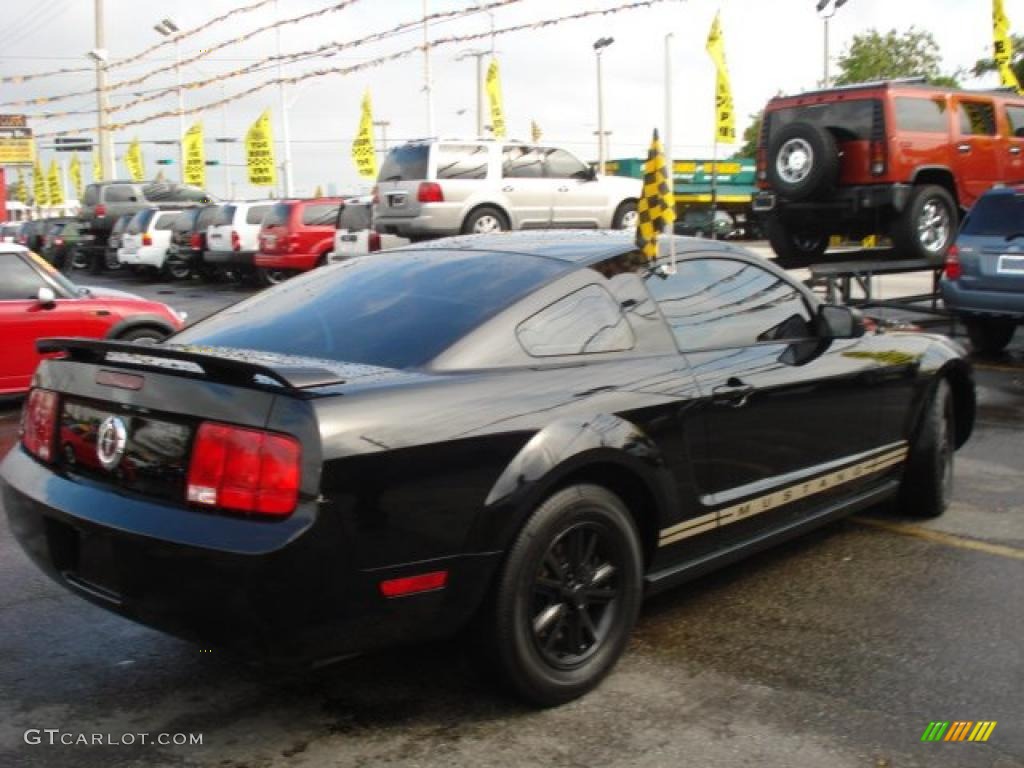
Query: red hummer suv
column 899, row 158
column 296, row 236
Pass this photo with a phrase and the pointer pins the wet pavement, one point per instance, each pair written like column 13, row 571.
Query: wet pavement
column 835, row 650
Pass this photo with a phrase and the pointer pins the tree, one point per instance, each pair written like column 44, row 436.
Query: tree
column 751, row 135
column 984, row 66
column 877, row 56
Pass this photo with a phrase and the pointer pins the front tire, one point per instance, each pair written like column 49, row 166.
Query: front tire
column 989, row 335
column 928, row 480
column 927, row 227
column 143, row 334
column 795, row 247
column 568, row 595
column 267, row 276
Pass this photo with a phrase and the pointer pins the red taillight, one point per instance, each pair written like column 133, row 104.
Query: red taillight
column 195, row 241
column 58, row 241
column 376, row 195
column 39, row 423
column 101, row 211
column 953, row 267
column 410, row 585
column 762, row 164
column 878, row 155
column 236, row 241
column 430, row 192
column 374, row 242
column 147, row 239
column 247, row 470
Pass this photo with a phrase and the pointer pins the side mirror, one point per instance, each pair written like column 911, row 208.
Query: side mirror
column 839, row 322
column 45, row 296
column 591, row 173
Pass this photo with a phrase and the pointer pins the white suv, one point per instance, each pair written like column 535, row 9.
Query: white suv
column 435, row 188
column 233, row 237
column 146, row 239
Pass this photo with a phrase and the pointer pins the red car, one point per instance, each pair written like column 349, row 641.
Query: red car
column 37, row 301
column 296, row 236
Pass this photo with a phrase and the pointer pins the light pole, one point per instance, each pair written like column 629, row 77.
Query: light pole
column 479, row 56
column 168, row 28
column 826, row 17
column 383, row 125
column 599, row 45
column 99, row 54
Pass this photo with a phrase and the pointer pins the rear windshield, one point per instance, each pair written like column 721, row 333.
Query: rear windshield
column 278, row 215
column 206, row 217
column 185, row 221
column 847, row 120
column 121, row 224
column 399, row 310
column 355, row 217
column 140, row 221
column 256, row 213
column 91, row 196
column 319, row 214
column 406, row 163
column 166, row 220
column 1000, row 215
column 225, row 216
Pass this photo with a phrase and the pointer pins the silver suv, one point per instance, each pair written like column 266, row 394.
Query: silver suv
column 434, row 188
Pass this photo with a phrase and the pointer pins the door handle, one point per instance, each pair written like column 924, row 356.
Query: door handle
column 508, row 189
column 963, row 149
column 1014, row 150
column 735, row 393
column 563, row 189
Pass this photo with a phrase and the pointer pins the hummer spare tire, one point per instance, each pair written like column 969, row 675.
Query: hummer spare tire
column 802, row 161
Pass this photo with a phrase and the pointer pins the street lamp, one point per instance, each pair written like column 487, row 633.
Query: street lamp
column 826, row 17
column 599, row 45
column 168, row 28
column 478, row 55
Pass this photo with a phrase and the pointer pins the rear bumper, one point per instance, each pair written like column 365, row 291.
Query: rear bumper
column 282, row 591
column 233, row 258
column 146, row 256
column 434, row 220
column 847, row 202
column 962, row 299
column 299, row 261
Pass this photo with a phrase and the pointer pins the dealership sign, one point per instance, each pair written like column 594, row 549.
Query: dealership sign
column 15, row 140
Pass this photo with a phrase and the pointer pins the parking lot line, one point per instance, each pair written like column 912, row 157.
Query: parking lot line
column 939, row 537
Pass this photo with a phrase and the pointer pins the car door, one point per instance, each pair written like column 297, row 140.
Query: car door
column 579, row 199
column 782, row 406
column 526, row 193
column 1013, row 116
column 977, row 160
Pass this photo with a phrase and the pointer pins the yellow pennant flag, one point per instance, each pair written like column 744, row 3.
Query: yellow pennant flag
column 194, row 172
column 259, row 152
column 97, row 168
column 535, row 131
column 319, row 191
column 75, row 174
column 54, row 186
column 134, row 162
column 21, row 189
column 493, row 85
column 656, row 208
column 39, row 191
column 363, row 154
column 1003, row 46
column 725, row 118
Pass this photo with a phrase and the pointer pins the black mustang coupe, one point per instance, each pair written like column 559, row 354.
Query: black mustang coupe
column 523, row 432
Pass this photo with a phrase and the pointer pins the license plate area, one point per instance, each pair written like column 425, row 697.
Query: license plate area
column 1011, row 264
column 397, row 200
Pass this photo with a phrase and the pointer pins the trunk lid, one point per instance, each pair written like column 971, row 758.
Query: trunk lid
column 399, row 180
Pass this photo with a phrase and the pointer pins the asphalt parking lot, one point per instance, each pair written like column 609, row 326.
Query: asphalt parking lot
column 835, row 650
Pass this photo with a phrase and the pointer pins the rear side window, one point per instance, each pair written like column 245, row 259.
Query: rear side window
column 1000, row 215
column 722, row 303
column 120, row 193
column 319, row 214
column 405, row 163
column 922, row 115
column 91, row 196
column 166, row 220
column 462, row 161
column 256, row 213
column 977, row 118
column 120, row 225
column 355, row 217
column 562, row 165
column 278, row 215
column 1015, row 118
column 140, row 221
column 588, row 320
column 522, row 163
column 847, row 120
column 225, row 216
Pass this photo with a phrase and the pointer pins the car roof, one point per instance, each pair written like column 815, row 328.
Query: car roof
column 582, row 247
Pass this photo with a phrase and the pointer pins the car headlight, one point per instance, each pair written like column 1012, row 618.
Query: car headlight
column 182, row 316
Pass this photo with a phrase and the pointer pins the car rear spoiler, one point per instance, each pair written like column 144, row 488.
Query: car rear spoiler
column 221, row 369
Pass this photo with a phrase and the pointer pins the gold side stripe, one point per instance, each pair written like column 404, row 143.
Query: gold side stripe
column 779, row 498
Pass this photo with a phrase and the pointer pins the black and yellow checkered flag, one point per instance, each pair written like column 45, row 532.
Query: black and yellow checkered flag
column 657, row 207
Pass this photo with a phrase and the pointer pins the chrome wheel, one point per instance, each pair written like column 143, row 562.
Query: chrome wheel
column 575, row 601
column 487, row 223
column 933, row 226
column 794, row 161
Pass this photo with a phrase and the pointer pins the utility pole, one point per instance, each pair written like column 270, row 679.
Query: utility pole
column 427, row 84
column 99, row 54
column 383, row 125
column 479, row 56
column 599, row 45
column 286, row 165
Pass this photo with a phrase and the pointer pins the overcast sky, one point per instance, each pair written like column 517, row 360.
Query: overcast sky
column 548, row 75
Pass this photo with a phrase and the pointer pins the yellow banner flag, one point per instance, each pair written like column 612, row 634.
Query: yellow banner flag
column 134, row 162
column 535, row 131
column 1003, row 46
column 725, row 118
column 97, row 168
column 21, row 189
column 42, row 197
column 54, row 187
column 259, row 152
column 493, row 85
column 75, row 174
column 363, row 154
column 656, row 208
column 194, row 172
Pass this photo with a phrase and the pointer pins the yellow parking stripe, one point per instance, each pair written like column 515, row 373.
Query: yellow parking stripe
column 939, row 537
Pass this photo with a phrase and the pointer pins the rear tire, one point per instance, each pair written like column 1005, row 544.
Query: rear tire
column 989, row 335
column 625, row 216
column 928, row 480
column 485, row 220
column 567, row 595
column 79, row 260
column 267, row 276
column 795, row 248
column 177, row 270
column 927, row 226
